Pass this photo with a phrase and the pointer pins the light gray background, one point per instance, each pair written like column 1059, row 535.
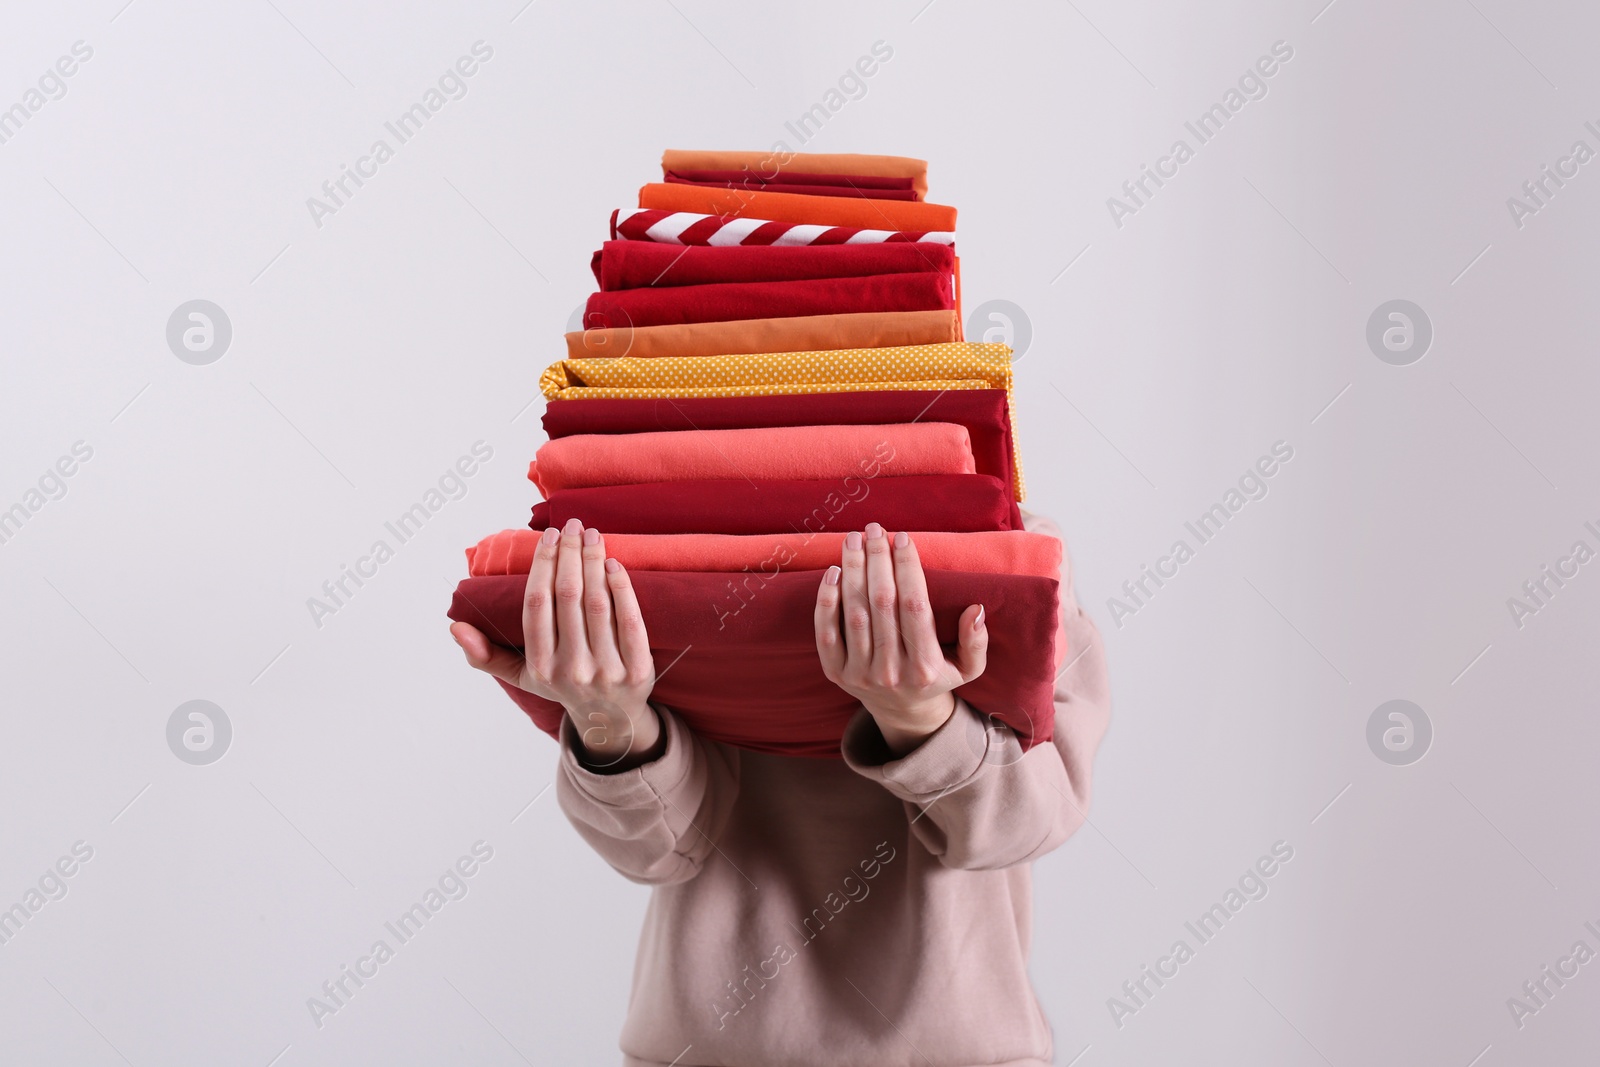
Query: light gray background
column 369, row 354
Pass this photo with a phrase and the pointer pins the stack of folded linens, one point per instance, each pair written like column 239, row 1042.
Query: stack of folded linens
column 774, row 358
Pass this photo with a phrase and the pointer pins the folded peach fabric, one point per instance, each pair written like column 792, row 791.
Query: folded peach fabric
column 768, row 163
column 810, row 452
column 913, row 215
column 961, row 365
column 1012, row 552
column 869, row 329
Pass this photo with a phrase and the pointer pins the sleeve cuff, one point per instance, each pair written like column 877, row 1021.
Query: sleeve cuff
column 951, row 756
column 639, row 784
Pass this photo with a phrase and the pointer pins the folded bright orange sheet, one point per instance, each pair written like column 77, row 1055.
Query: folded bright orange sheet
column 912, row 215
column 803, row 333
column 771, row 163
column 790, row 452
column 1011, row 552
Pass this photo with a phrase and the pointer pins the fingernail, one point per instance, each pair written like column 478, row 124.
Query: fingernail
column 874, row 531
column 612, row 566
column 573, row 526
column 979, row 620
column 550, row 536
column 852, row 541
column 591, row 537
column 831, row 575
column 901, row 540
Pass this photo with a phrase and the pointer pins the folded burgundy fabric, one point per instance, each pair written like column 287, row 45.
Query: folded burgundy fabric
column 743, row 654
column 982, row 411
column 808, row 184
column 959, row 503
column 769, row 300
column 642, row 264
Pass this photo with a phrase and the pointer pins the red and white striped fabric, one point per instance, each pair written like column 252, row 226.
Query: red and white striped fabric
column 688, row 228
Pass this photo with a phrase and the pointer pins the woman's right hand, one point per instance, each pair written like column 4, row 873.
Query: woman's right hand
column 585, row 648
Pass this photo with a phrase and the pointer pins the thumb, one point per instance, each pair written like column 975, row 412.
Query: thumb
column 972, row 650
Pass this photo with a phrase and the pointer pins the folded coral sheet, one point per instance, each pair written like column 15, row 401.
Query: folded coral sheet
column 743, row 655
column 787, row 452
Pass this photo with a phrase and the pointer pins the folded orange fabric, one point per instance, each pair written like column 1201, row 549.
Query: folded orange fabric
column 771, row 163
column 916, row 215
column 803, row 333
column 1011, row 552
column 790, row 452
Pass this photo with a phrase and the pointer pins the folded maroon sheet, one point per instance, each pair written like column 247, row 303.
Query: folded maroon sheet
column 743, row 654
column 808, row 184
column 982, row 411
column 641, row 264
column 769, row 300
column 958, row 503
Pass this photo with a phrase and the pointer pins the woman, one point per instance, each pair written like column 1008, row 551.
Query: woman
column 870, row 910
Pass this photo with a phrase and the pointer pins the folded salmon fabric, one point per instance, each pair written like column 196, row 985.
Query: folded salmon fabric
column 958, row 503
column 787, row 452
column 982, row 412
column 769, row 300
column 792, row 207
column 793, row 163
column 964, row 365
column 736, row 653
column 726, row 231
column 1039, row 555
column 869, row 329
column 809, row 184
column 642, row 264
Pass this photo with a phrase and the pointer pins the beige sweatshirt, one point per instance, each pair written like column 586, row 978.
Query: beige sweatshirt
column 866, row 911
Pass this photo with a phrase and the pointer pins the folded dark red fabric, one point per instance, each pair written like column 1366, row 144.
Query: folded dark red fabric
column 982, row 411
column 743, row 655
column 643, row 264
column 808, row 184
column 958, row 503
column 769, row 300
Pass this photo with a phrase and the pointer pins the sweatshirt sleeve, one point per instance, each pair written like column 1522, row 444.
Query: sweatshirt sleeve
column 657, row 822
column 973, row 797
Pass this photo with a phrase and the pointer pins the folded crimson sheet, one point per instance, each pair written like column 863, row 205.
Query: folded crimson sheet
column 807, row 184
column 921, row 291
column 982, row 412
column 1039, row 555
column 792, row 163
column 870, row 329
column 916, row 215
column 698, row 228
column 641, row 264
column 783, row 452
column 743, row 657
column 954, row 502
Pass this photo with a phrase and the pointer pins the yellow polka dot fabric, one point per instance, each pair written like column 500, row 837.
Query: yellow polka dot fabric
column 961, row 365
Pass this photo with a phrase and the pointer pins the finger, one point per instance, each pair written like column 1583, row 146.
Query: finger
column 484, row 655
column 570, row 633
column 972, row 647
column 915, row 612
column 597, row 601
column 882, row 598
column 633, row 641
column 853, row 597
column 830, row 644
column 538, row 611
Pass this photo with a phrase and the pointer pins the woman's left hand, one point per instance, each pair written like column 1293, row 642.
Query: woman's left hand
column 876, row 638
